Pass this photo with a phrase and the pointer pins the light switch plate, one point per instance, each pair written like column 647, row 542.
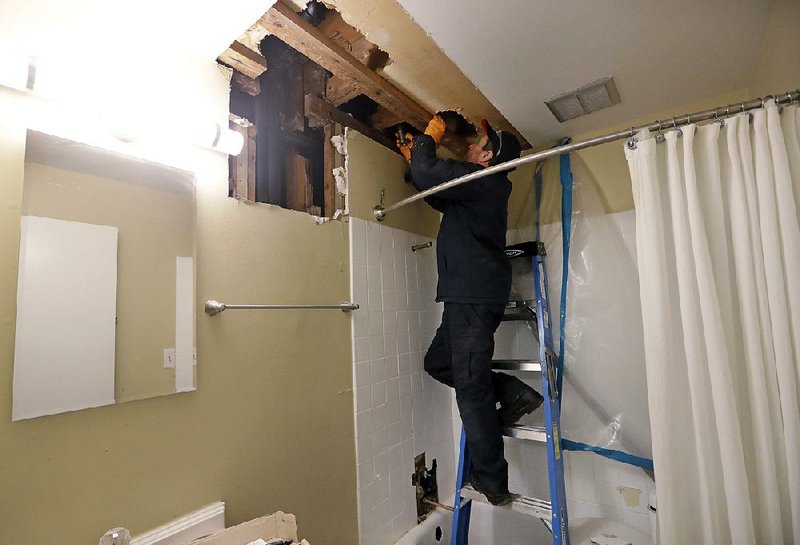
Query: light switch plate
column 169, row 358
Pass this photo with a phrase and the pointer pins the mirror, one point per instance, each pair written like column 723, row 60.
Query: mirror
column 105, row 293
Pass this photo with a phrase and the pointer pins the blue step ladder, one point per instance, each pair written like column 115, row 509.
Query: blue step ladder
column 553, row 513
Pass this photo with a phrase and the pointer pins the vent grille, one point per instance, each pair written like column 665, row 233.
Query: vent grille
column 584, row 100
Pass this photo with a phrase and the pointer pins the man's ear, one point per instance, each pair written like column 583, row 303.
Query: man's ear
column 486, row 156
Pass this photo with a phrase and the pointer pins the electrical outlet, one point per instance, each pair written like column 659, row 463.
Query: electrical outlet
column 169, row 358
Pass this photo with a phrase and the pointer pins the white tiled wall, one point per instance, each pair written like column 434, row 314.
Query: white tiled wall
column 599, row 487
column 400, row 411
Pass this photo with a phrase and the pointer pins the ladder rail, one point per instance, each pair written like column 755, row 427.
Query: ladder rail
column 552, row 407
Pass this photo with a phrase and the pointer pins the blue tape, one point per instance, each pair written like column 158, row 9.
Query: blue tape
column 537, row 185
column 566, row 237
column 618, row 455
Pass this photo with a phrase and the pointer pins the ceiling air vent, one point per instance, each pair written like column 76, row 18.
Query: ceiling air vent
column 584, row 100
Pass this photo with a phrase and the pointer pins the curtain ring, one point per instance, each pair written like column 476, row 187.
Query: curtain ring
column 674, row 126
column 762, row 102
column 742, row 105
column 687, row 119
column 728, row 110
column 716, row 113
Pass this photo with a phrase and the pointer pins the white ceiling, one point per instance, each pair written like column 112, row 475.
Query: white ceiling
column 662, row 54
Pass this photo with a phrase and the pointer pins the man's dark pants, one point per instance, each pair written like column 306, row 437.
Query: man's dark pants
column 460, row 356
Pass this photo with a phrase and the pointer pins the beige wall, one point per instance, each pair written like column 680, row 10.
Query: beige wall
column 372, row 167
column 271, row 425
column 606, row 163
column 775, row 70
column 777, row 65
column 154, row 228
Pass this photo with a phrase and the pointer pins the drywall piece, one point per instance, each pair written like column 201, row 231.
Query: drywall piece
column 339, row 142
column 67, row 287
column 279, row 524
column 184, row 324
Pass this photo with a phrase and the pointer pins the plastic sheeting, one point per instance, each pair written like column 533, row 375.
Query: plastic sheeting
column 604, row 402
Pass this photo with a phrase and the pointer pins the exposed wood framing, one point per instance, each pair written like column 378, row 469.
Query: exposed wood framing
column 341, row 89
column 242, row 182
column 283, row 22
column 328, row 164
column 245, row 84
column 298, row 194
column 383, row 118
column 243, row 59
column 352, row 41
column 320, row 113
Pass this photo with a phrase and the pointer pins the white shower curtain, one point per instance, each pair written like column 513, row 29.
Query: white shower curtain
column 719, row 265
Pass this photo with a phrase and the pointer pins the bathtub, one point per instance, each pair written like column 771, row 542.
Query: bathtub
column 488, row 526
column 492, row 526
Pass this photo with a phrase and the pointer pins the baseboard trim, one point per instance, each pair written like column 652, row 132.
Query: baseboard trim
column 180, row 531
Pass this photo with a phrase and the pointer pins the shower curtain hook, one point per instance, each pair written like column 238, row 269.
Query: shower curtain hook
column 631, row 143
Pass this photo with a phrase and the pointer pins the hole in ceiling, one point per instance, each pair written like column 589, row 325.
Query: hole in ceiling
column 458, row 124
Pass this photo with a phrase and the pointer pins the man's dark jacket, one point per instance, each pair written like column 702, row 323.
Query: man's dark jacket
column 470, row 246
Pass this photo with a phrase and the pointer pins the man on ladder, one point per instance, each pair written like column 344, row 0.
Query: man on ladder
column 474, row 283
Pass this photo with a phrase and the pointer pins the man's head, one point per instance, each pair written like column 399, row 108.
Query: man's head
column 493, row 148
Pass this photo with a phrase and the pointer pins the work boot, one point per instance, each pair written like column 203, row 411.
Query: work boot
column 525, row 402
column 494, row 497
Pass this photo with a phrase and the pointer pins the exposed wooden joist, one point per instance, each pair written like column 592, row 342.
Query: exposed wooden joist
column 341, row 89
column 351, row 40
column 383, row 118
column 299, row 195
column 245, row 84
column 320, row 113
column 283, row 22
column 243, row 166
column 243, row 59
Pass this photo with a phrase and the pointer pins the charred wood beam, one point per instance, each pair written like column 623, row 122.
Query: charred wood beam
column 320, row 113
column 244, row 60
column 284, row 23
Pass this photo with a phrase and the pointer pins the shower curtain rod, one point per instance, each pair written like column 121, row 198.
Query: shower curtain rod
column 679, row 121
column 215, row 307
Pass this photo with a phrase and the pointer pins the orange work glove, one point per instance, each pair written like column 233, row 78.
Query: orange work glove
column 405, row 147
column 436, row 128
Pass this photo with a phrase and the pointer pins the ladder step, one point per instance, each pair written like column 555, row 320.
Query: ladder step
column 519, row 315
column 516, row 365
column 528, row 433
column 533, row 507
column 520, row 310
